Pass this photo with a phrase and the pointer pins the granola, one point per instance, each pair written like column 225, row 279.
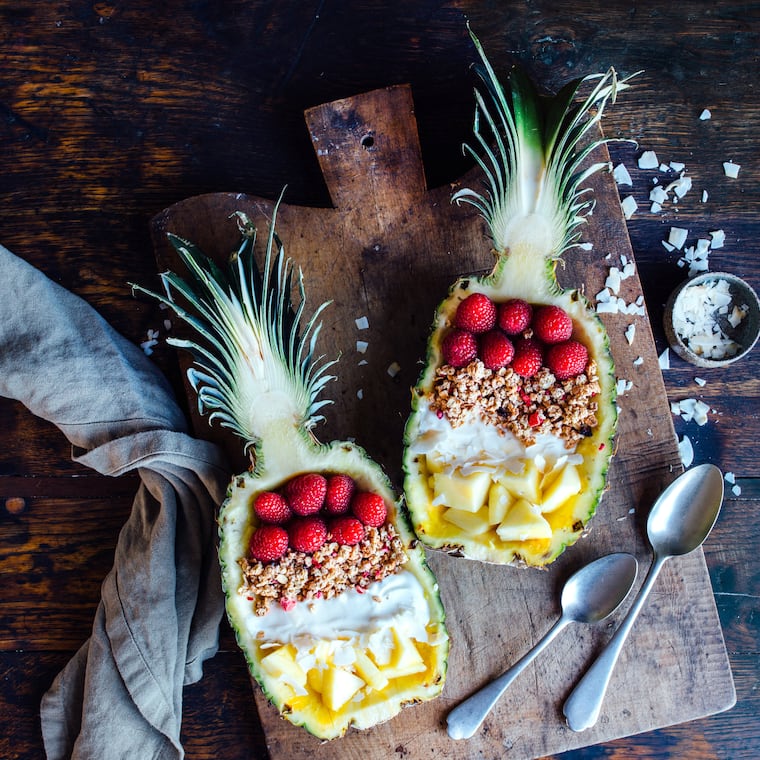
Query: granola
column 524, row 407
column 332, row 569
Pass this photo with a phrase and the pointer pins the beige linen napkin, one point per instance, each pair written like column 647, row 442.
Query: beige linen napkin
column 158, row 619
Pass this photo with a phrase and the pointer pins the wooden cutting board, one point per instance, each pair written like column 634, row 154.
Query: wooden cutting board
column 388, row 251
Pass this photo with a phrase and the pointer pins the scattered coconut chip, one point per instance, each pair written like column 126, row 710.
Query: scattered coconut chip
column 680, row 186
column 686, row 451
column 718, row 238
column 655, row 208
column 394, row 369
column 730, row 169
column 613, row 280
column 705, row 115
column 658, row 194
column 648, row 160
column 630, row 333
column 621, row 175
column 667, row 246
column 362, row 323
column 729, row 477
column 677, row 237
column 360, row 394
column 586, row 246
column 677, row 166
column 638, row 361
column 736, row 490
column 629, row 206
column 700, row 381
column 147, row 345
column 664, row 168
column 362, row 346
column 167, row 324
column 705, row 196
column 622, row 386
column 664, row 359
column 362, row 363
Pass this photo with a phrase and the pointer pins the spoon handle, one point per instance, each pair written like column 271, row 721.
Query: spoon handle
column 465, row 719
column 583, row 705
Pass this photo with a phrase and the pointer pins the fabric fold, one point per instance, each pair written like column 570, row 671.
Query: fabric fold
column 120, row 696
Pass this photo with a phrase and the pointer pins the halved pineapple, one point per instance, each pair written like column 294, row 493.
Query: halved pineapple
column 330, row 649
column 503, row 462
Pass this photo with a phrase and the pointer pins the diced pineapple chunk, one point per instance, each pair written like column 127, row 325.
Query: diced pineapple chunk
column 523, row 523
column 433, row 465
column 367, row 670
column 281, row 664
column 405, row 660
column 472, row 523
column 560, row 488
column 465, row 492
column 499, row 502
column 525, row 484
column 315, row 678
column 338, row 686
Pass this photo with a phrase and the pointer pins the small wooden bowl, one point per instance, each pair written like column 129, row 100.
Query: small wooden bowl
column 745, row 334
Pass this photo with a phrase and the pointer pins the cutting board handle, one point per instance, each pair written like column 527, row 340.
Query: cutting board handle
column 369, row 152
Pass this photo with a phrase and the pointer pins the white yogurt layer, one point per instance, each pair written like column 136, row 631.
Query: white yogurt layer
column 476, row 446
column 397, row 602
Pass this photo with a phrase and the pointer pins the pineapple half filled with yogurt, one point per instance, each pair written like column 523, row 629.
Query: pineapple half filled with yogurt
column 330, row 597
column 513, row 417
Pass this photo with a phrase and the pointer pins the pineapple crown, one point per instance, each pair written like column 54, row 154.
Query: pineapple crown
column 529, row 149
column 251, row 365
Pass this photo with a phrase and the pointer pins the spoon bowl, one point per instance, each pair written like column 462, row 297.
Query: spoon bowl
column 686, row 511
column 589, row 595
column 679, row 522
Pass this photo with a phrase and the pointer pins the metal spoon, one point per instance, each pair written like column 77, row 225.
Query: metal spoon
column 591, row 594
column 679, row 522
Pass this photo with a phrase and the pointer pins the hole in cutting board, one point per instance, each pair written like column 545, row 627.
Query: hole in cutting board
column 367, row 141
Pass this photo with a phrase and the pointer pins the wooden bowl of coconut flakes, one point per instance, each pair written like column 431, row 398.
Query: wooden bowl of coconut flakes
column 713, row 319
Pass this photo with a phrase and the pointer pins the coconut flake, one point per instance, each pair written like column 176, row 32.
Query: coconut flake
column 648, row 160
column 700, row 381
column 622, row 175
column 394, row 369
column 360, row 394
column 638, row 361
column 729, row 477
column 361, row 346
column 677, row 166
column 686, row 451
column 736, row 491
column 677, row 237
column 362, row 323
column 629, row 206
column 658, row 194
column 630, row 333
column 705, row 115
column 718, row 238
column 664, row 359
column 705, row 196
column 730, row 169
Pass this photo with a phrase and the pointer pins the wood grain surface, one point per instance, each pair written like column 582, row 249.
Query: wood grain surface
column 111, row 112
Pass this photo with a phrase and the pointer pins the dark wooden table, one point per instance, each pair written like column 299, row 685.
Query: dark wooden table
column 113, row 111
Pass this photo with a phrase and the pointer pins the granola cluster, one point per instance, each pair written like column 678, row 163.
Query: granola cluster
column 332, row 569
column 524, row 407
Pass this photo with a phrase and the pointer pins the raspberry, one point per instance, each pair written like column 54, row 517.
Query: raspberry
column 496, row 349
column 515, row 316
column 459, row 348
column 347, row 531
column 307, row 534
column 552, row 324
column 306, row 493
column 535, row 419
column 268, row 543
column 340, row 489
column 369, row 508
column 270, row 507
column 528, row 357
column 566, row 360
column 477, row 314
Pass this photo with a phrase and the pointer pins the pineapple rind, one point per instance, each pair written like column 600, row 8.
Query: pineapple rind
column 235, row 528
